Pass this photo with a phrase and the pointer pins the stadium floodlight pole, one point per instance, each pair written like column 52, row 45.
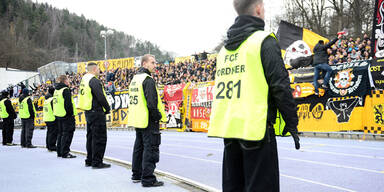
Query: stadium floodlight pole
column 104, row 34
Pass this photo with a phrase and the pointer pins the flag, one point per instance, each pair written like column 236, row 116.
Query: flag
column 295, row 41
column 378, row 31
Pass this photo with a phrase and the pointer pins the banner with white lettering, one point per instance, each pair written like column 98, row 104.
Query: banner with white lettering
column 173, row 96
column 202, row 97
column 350, row 79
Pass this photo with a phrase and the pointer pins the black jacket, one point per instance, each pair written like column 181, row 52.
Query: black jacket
column 8, row 106
column 150, row 93
column 99, row 100
column 67, row 95
column 279, row 96
column 30, row 105
column 320, row 51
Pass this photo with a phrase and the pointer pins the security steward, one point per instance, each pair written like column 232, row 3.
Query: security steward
column 7, row 113
column 92, row 99
column 251, row 75
column 27, row 113
column 64, row 110
column 145, row 111
column 50, row 120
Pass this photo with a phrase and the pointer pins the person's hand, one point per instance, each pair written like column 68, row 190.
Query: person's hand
column 295, row 136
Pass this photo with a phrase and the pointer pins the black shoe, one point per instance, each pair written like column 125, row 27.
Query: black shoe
column 31, row 146
column 155, row 184
column 101, row 166
column 69, row 156
column 136, row 180
column 88, row 164
column 11, row 144
column 52, row 150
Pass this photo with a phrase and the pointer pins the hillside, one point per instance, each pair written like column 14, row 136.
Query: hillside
column 35, row 34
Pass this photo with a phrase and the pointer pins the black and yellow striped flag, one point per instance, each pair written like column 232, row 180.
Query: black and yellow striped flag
column 289, row 33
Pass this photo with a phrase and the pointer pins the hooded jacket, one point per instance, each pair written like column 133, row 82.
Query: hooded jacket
column 68, row 106
column 279, row 96
column 320, row 52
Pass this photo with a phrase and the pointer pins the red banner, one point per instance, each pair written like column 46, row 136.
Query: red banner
column 173, row 97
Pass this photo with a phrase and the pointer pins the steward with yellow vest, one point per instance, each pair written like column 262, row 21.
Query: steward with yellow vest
column 144, row 115
column 64, row 110
column 27, row 114
column 92, row 99
column 50, row 120
column 7, row 113
column 251, row 84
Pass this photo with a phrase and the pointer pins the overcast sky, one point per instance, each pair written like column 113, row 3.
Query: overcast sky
column 180, row 26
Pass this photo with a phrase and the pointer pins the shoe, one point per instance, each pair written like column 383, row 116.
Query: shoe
column 316, row 93
column 52, row 150
column 30, row 146
column 155, row 184
column 136, row 180
column 11, row 144
column 324, row 86
column 69, row 156
column 101, row 166
column 88, row 164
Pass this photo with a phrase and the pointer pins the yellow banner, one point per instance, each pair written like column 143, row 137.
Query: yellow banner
column 39, row 119
column 111, row 64
column 184, row 59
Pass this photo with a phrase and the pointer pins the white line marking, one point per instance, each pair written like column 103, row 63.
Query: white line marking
column 331, row 165
column 317, row 183
column 334, row 153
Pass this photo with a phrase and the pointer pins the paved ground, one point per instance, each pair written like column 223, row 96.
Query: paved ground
column 321, row 164
column 36, row 170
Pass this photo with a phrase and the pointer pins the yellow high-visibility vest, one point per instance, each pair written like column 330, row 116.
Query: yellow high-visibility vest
column 3, row 109
column 138, row 114
column 48, row 115
column 58, row 103
column 85, row 93
column 24, row 109
column 240, row 104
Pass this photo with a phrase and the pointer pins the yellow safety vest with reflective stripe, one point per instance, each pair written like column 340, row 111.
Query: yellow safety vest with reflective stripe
column 48, row 115
column 3, row 109
column 138, row 114
column 58, row 103
column 24, row 109
column 240, row 104
column 85, row 94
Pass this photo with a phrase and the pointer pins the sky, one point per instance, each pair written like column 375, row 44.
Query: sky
column 183, row 27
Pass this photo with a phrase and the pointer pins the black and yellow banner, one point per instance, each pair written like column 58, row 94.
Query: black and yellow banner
column 296, row 42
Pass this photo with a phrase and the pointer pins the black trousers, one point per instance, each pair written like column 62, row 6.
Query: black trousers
column 8, row 126
column 146, row 153
column 251, row 166
column 66, row 128
column 51, row 138
column 96, row 137
column 26, row 132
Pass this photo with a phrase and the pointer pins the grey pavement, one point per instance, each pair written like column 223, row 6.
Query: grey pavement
column 37, row 170
column 322, row 164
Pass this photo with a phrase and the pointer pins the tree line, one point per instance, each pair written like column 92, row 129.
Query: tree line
column 327, row 17
column 34, row 34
